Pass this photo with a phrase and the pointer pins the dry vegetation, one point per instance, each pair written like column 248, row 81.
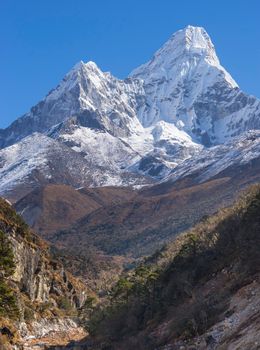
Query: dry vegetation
column 20, row 280
column 186, row 286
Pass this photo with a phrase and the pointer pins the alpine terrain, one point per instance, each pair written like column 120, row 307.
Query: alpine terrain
column 124, row 180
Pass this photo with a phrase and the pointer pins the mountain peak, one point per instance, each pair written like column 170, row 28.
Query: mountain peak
column 183, row 69
column 90, row 65
column 186, row 49
column 78, row 65
column 197, row 41
column 185, row 45
column 198, row 37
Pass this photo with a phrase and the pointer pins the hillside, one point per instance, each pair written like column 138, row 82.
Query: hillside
column 38, row 297
column 148, row 218
column 56, row 207
column 201, row 291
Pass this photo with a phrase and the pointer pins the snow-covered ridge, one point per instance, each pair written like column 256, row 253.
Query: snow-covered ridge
column 241, row 150
column 39, row 159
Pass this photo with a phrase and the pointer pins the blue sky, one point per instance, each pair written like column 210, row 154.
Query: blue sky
column 41, row 40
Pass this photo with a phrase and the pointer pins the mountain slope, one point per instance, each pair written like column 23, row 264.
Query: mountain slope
column 199, row 292
column 125, row 221
column 156, row 214
column 38, row 297
column 55, row 207
column 241, row 151
column 38, row 160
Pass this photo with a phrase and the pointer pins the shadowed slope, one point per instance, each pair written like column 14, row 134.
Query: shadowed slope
column 201, row 291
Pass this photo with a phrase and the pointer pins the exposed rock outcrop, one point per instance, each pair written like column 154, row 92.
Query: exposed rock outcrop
column 48, row 298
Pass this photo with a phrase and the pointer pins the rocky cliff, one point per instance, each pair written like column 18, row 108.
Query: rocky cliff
column 38, row 296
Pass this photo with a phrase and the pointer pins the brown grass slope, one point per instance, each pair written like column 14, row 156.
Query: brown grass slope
column 124, row 221
column 141, row 225
column 56, row 207
column 153, row 215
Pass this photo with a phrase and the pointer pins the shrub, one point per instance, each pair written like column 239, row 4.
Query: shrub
column 28, row 314
column 6, row 256
column 8, row 305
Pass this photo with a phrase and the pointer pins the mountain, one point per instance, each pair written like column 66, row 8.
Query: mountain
column 241, row 151
column 85, row 87
column 180, row 106
column 199, row 292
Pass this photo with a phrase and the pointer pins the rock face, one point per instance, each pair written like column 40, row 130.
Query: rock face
column 43, row 289
column 40, row 278
column 108, row 131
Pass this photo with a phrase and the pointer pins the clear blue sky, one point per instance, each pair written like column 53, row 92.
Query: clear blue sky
column 42, row 39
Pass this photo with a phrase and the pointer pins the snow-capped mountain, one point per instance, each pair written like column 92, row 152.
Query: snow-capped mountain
column 185, row 85
column 167, row 114
column 85, row 87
